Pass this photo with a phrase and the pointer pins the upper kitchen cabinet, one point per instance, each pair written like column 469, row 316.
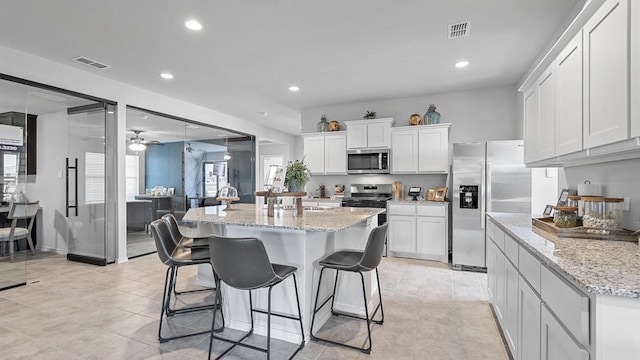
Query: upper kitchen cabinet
column 325, row 153
column 576, row 101
column 539, row 107
column 420, row 149
column 606, row 75
column 568, row 98
column 374, row 133
column 635, row 69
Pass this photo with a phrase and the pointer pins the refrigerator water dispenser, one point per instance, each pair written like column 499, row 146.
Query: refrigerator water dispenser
column 468, row 196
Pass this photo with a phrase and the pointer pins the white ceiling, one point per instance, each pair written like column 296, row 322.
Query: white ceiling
column 250, row 51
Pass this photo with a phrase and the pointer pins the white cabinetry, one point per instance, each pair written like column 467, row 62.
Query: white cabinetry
column 531, row 124
column 321, row 203
column 541, row 315
column 528, row 322
column 578, row 107
column 606, row 75
column 635, row 69
column 375, row 133
column 540, row 118
column 568, row 101
column 546, row 114
column 556, row 344
column 420, row 149
column 418, row 231
column 325, row 153
column 404, row 154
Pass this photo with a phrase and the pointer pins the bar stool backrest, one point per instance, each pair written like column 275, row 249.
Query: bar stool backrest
column 174, row 230
column 375, row 247
column 242, row 263
column 164, row 242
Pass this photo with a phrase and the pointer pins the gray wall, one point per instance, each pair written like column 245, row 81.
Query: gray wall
column 481, row 114
column 618, row 179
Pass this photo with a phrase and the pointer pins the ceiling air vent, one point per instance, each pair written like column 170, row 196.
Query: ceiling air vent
column 87, row 61
column 459, row 29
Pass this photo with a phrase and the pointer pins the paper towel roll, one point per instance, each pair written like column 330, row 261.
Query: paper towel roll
column 589, row 189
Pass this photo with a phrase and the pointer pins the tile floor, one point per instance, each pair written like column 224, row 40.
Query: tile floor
column 76, row 311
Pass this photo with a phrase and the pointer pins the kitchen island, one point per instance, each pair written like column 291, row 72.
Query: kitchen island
column 296, row 240
column 576, row 297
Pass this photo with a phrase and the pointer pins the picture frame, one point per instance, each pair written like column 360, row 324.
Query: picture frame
column 548, row 210
column 431, row 194
column 170, row 191
column 440, row 194
column 564, row 195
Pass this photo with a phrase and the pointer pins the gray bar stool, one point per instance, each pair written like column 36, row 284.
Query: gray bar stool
column 192, row 243
column 243, row 263
column 174, row 257
column 354, row 261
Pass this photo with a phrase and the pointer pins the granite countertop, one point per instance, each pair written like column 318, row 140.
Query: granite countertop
column 327, row 220
column 597, row 266
column 328, row 199
column 409, row 201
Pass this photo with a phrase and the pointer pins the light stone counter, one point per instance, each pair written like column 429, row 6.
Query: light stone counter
column 409, row 201
column 600, row 267
column 326, row 220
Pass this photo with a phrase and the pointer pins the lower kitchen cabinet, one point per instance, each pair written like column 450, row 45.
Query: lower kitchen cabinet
column 541, row 316
column 418, row 231
column 529, row 304
column 556, row 342
column 511, row 305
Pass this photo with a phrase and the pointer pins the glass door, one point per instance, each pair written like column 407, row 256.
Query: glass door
column 86, row 202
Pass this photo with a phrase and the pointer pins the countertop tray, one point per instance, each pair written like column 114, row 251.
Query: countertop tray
column 546, row 224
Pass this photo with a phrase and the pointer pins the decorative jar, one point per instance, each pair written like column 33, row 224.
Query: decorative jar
column 323, row 125
column 602, row 213
column 432, row 117
column 565, row 216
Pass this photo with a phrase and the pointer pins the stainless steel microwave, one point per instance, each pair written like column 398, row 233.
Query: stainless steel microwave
column 368, row 161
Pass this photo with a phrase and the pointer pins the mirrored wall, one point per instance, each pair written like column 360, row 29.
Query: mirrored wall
column 174, row 164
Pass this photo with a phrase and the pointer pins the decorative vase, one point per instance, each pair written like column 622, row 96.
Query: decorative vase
column 432, row 116
column 334, row 125
column 323, row 125
column 415, row 119
column 293, row 187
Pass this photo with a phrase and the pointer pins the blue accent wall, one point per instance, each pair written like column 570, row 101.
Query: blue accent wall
column 164, row 166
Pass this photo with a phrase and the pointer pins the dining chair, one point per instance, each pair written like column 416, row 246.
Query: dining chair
column 20, row 211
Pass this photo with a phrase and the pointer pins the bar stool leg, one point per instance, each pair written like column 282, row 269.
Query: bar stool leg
column 366, row 313
column 269, row 325
column 295, row 285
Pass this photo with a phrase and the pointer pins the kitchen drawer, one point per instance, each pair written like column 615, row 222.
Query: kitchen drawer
column 569, row 305
column 529, row 267
column 511, row 249
column 395, row 209
column 498, row 238
column 491, row 228
column 431, row 210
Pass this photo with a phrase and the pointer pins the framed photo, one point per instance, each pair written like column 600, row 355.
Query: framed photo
column 440, row 194
column 170, row 191
column 564, row 194
column 431, row 194
column 548, row 210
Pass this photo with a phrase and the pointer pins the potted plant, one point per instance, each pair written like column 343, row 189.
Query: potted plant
column 297, row 176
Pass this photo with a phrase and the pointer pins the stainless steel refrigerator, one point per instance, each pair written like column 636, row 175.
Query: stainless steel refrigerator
column 487, row 177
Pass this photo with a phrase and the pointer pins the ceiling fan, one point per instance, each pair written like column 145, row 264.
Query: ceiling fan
column 137, row 143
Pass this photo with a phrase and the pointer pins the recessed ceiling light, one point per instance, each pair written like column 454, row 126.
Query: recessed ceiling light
column 193, row 25
column 294, row 88
column 166, row 76
column 262, row 113
column 461, row 64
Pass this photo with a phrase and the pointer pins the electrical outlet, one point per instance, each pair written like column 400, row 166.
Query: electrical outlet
column 626, row 204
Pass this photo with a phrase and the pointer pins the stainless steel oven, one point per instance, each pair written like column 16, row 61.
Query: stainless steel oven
column 368, row 161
